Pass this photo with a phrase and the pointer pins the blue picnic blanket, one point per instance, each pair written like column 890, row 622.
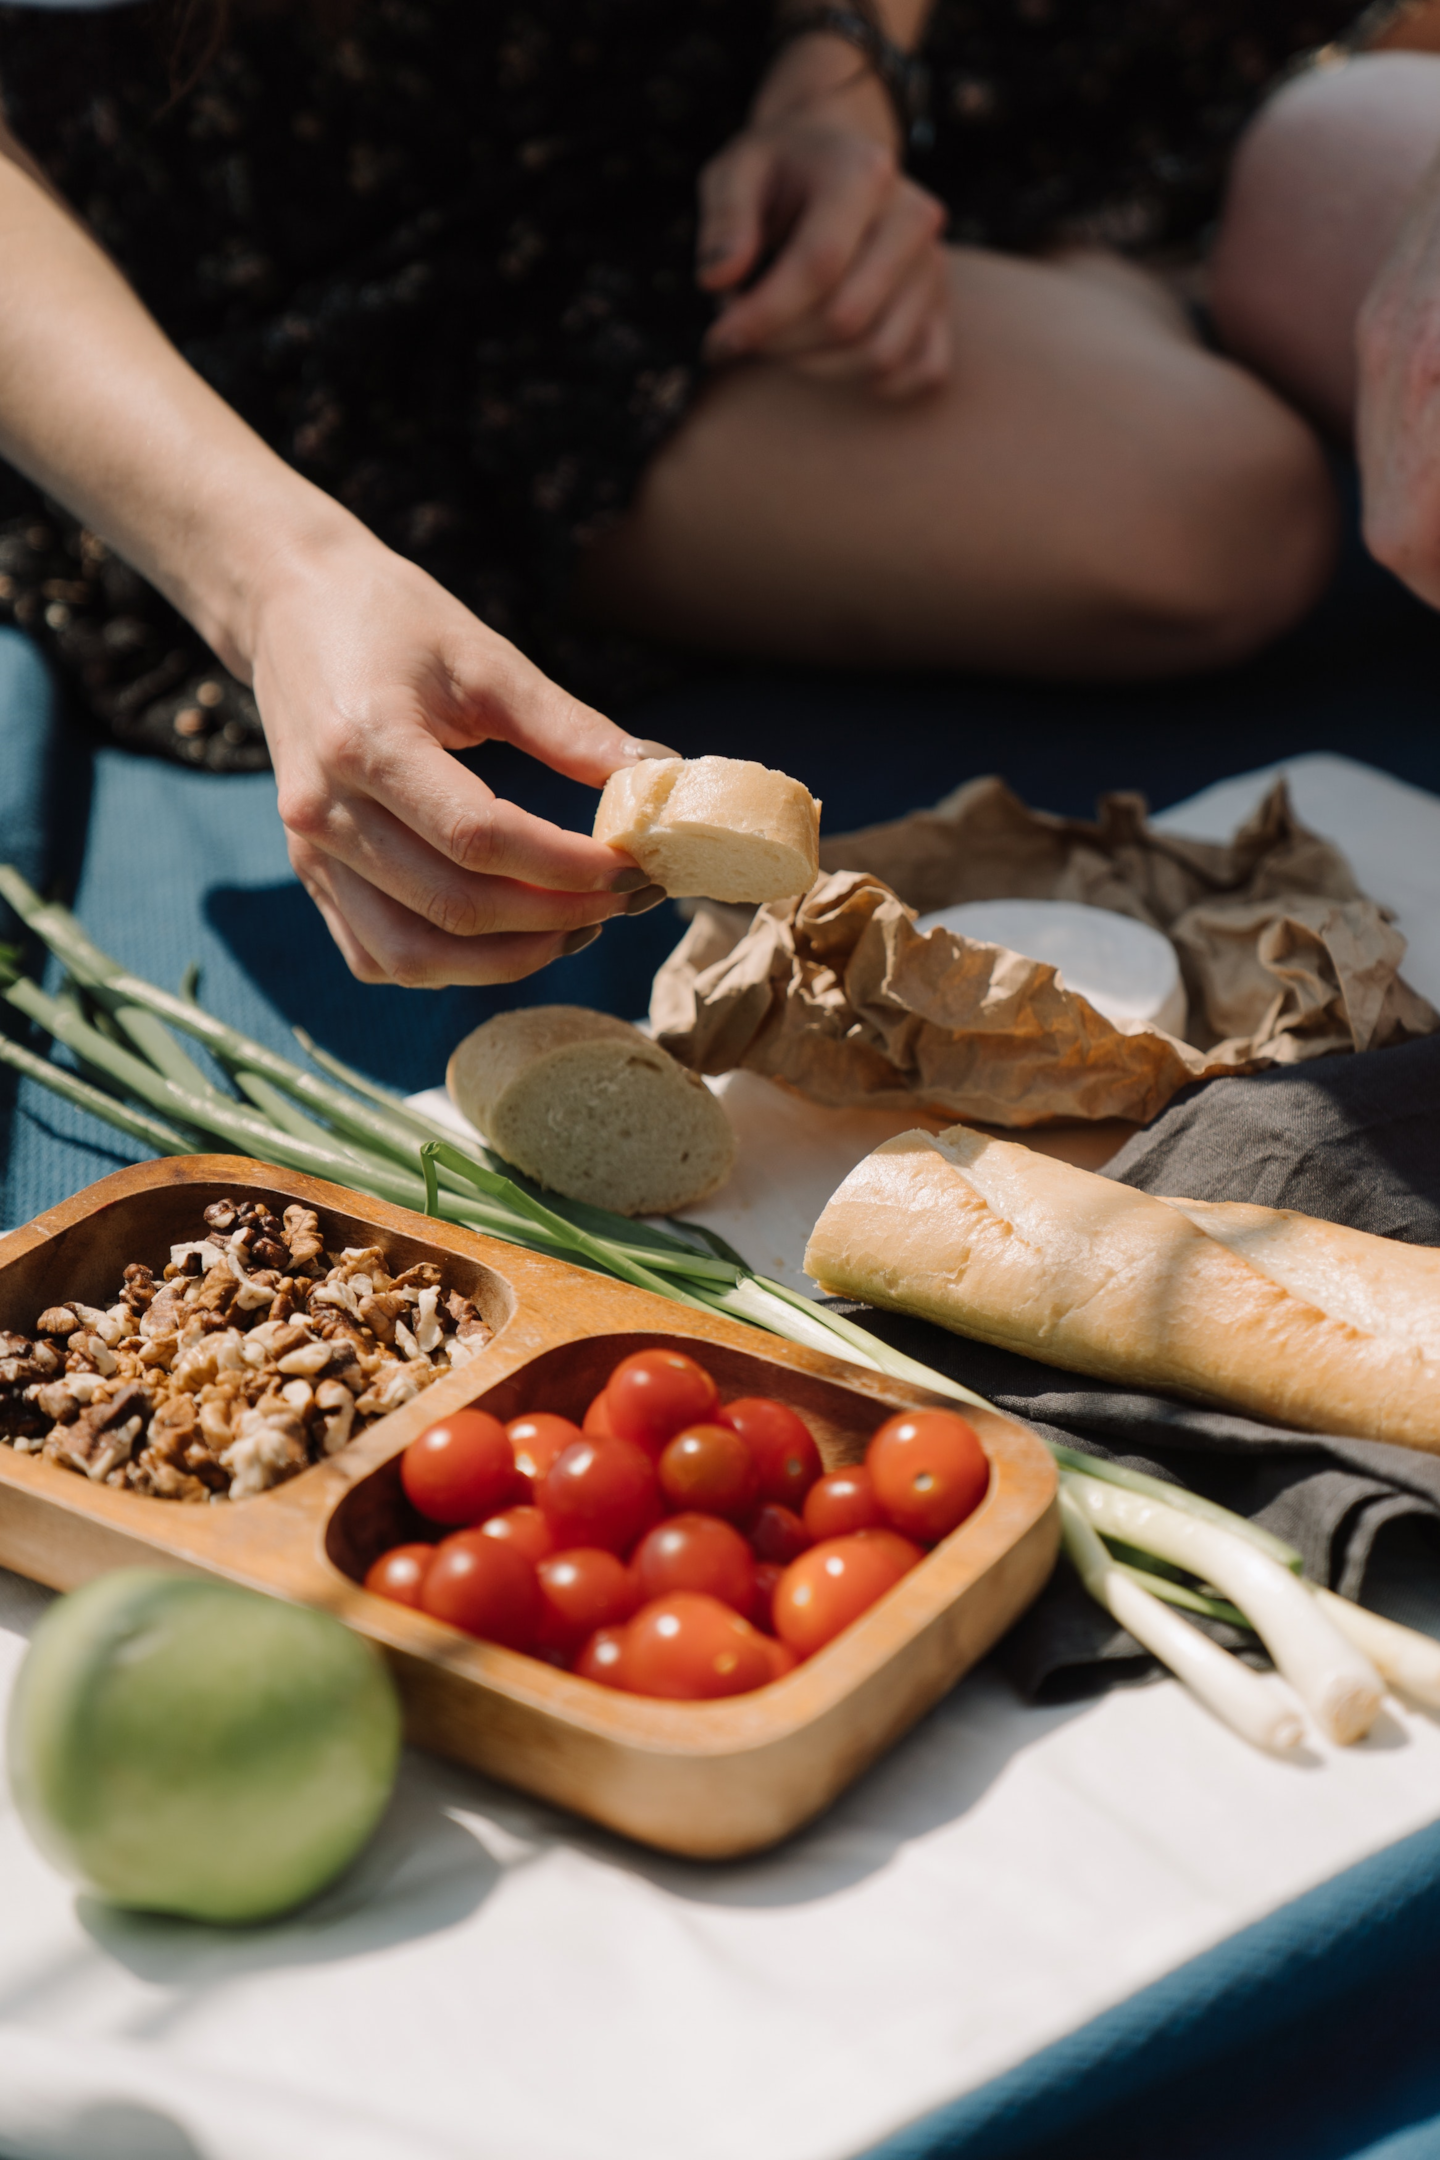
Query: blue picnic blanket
column 1310, row 2035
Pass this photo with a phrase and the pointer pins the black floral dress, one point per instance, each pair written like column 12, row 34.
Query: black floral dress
column 439, row 253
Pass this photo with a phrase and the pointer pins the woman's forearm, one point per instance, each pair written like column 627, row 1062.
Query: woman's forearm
column 903, row 21
column 101, row 411
column 822, row 69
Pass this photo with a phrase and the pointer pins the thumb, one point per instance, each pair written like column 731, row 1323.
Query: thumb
column 732, row 215
column 513, row 701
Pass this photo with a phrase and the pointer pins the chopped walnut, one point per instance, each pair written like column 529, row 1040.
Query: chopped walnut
column 302, row 1235
column 255, row 1353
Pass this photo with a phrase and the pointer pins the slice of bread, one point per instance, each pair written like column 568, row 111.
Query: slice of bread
column 714, row 828
column 591, row 1108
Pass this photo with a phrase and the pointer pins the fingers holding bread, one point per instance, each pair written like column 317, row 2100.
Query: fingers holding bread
column 714, row 828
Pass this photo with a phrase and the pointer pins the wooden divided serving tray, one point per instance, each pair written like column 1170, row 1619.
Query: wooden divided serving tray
column 705, row 1779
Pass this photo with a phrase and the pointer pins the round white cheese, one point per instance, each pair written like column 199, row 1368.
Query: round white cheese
column 1126, row 970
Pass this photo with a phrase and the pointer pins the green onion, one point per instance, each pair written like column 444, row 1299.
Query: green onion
column 1249, row 1702
column 155, row 1133
column 1335, row 1681
column 1177, row 1496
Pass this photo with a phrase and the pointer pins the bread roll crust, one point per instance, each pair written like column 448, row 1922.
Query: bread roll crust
column 996, row 1241
column 714, row 828
column 588, row 1106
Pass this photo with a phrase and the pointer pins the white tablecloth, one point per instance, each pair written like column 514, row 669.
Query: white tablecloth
column 498, row 1982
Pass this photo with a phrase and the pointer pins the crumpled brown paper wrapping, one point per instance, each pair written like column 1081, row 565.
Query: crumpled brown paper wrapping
column 839, row 996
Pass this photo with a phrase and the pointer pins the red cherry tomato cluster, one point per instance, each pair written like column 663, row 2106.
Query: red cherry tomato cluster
column 671, row 1544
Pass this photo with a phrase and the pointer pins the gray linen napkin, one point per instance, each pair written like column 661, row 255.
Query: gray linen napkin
column 1353, row 1139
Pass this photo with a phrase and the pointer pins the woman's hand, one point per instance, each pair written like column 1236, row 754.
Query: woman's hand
column 852, row 281
column 368, row 674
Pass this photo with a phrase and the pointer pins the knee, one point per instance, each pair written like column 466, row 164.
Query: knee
column 1239, row 543
column 1319, row 185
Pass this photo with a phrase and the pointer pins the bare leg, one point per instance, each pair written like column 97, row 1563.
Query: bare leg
column 1092, row 494
column 1320, row 186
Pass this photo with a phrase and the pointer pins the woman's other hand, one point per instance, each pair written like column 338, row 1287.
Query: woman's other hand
column 822, row 252
column 368, row 675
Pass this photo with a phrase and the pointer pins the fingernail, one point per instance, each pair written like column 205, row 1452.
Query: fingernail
column 638, row 747
column 640, row 903
column 629, row 880
column 578, row 940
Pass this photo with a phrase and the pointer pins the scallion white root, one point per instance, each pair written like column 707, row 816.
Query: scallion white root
column 1409, row 1660
column 1336, row 1682
column 1249, row 1702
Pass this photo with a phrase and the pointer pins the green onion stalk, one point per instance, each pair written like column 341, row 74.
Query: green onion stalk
column 132, row 1068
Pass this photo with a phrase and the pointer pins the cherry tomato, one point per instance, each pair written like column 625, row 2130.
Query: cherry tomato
column 525, row 1528
column 696, row 1552
column 485, row 1586
column 460, row 1470
column 841, row 1502
column 580, row 1591
column 929, row 1472
column 651, row 1395
column 777, row 1533
column 782, row 1658
column 600, row 1492
column 536, row 1441
column 786, row 1457
column 767, row 1582
column 399, row 1573
column 692, row 1648
column 603, row 1656
column 903, row 1550
column 711, row 1468
column 597, row 1420
column 833, row 1583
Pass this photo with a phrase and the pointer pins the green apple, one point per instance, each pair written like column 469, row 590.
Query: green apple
column 191, row 1747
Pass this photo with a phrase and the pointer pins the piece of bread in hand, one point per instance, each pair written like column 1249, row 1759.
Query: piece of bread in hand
column 1260, row 1310
column 590, row 1107
column 714, row 828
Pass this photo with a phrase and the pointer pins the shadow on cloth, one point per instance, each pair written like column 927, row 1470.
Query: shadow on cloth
column 945, row 1766
column 127, row 2130
column 403, row 1038
column 423, row 1872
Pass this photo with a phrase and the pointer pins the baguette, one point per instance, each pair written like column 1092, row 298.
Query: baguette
column 1258, row 1310
column 588, row 1106
column 714, row 828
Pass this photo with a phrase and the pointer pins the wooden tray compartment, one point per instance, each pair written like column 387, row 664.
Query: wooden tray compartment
column 705, row 1779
